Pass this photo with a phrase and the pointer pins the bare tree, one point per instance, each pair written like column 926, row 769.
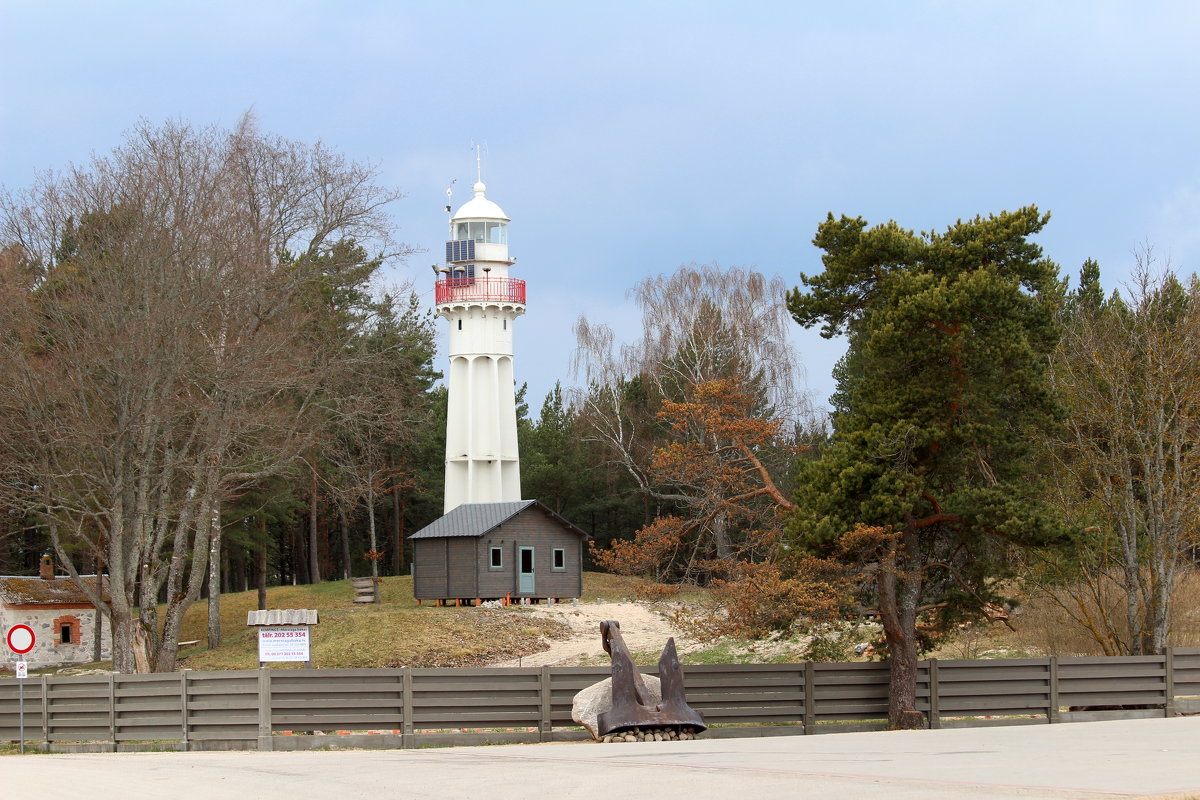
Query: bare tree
column 654, row 404
column 378, row 413
column 1129, row 463
column 156, row 355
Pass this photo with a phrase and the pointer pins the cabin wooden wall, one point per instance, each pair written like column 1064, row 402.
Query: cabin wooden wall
column 459, row 566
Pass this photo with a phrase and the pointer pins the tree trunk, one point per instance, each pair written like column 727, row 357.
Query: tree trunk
column 398, row 511
column 142, row 661
column 214, row 577
column 898, row 598
column 237, row 567
column 345, row 530
column 374, row 549
column 97, row 636
column 122, row 624
column 260, row 576
column 314, row 549
column 721, row 536
column 299, row 557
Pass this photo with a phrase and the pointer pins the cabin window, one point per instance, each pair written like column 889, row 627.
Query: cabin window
column 67, row 630
column 560, row 558
column 496, row 558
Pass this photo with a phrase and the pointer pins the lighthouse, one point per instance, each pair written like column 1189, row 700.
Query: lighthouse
column 489, row 544
column 476, row 295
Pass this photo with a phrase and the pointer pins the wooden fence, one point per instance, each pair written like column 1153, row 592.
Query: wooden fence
column 302, row 709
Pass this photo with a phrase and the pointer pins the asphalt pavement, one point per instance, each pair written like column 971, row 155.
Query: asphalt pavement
column 1126, row 758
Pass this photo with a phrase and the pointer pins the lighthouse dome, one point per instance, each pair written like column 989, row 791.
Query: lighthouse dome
column 479, row 207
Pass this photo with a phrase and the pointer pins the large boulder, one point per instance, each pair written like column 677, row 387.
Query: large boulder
column 597, row 698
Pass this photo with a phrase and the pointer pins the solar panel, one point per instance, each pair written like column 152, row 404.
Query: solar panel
column 460, row 276
column 462, row 250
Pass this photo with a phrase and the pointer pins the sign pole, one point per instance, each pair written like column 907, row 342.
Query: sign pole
column 21, row 639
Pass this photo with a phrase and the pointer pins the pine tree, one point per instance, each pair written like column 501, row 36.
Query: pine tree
column 945, row 379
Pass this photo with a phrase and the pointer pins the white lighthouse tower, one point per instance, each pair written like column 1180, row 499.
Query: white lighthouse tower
column 475, row 293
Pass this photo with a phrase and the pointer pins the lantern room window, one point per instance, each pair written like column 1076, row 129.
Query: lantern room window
column 483, row 231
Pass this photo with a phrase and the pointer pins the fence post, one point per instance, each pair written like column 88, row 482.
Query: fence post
column 265, row 741
column 1052, row 713
column 935, row 713
column 45, row 711
column 183, row 709
column 112, row 713
column 810, row 697
column 1169, row 682
column 544, row 729
column 406, row 680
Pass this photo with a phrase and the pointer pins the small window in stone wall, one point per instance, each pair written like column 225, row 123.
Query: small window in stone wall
column 497, row 558
column 66, row 629
column 560, row 558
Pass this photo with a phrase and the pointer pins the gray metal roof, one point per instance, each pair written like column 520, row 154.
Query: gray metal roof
column 282, row 616
column 476, row 519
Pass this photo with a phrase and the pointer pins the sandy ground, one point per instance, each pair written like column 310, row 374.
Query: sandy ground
column 643, row 629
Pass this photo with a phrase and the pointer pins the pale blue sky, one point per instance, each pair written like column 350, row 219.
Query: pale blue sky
column 627, row 138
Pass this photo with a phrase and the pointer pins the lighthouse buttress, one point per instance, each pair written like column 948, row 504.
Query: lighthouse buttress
column 476, row 295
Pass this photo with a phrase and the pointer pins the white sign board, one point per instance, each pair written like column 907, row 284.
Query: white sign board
column 278, row 643
column 22, row 670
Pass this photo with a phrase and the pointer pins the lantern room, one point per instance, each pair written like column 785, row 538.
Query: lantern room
column 479, row 235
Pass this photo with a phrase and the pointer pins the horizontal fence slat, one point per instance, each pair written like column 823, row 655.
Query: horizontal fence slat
column 224, row 706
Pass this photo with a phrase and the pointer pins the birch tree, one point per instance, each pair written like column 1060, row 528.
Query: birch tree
column 654, row 406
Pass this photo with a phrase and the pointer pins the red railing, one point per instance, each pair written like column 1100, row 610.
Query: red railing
column 470, row 290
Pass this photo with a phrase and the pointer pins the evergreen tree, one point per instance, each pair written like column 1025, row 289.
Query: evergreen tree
column 553, row 469
column 945, row 380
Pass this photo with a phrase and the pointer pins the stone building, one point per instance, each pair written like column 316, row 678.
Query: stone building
column 61, row 615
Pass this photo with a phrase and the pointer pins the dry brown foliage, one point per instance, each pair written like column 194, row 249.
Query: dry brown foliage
column 756, row 600
column 1085, row 619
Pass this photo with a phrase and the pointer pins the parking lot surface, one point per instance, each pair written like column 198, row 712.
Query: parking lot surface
column 1127, row 758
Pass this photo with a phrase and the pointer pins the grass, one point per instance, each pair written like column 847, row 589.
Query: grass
column 396, row 632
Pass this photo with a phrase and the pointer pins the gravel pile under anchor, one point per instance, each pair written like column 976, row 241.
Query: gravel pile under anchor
column 651, row 735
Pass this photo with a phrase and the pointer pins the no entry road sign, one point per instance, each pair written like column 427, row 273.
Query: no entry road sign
column 21, row 639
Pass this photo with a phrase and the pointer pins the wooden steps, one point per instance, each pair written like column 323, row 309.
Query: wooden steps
column 364, row 590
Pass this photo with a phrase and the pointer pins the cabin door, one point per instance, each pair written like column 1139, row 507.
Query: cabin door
column 525, row 582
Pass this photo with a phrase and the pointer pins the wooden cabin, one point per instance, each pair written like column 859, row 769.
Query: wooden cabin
column 517, row 551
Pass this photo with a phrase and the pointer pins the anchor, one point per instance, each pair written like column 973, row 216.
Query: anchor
column 632, row 705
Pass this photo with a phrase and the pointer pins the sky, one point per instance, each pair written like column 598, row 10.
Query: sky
column 626, row 139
